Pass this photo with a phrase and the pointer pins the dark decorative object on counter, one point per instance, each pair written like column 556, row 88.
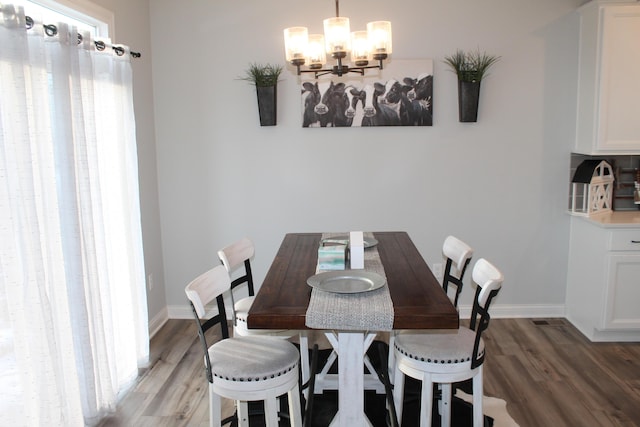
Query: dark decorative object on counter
column 471, row 68
column 265, row 79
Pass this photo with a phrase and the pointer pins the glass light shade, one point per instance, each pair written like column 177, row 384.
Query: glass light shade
column 360, row 48
column 337, row 35
column 296, row 40
column 380, row 37
column 316, row 51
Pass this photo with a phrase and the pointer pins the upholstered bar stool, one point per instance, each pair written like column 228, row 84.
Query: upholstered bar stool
column 446, row 357
column 234, row 257
column 243, row 368
column 458, row 255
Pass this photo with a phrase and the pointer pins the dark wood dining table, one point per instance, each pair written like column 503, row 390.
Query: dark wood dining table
column 418, row 303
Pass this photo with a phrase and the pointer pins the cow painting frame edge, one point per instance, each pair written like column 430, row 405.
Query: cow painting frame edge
column 399, row 95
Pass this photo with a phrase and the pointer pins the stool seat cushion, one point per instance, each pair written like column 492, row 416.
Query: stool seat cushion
column 247, row 359
column 242, row 307
column 438, row 346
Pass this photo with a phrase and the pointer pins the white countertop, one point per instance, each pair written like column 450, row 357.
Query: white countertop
column 616, row 219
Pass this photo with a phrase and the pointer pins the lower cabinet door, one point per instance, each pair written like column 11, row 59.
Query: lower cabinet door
column 622, row 305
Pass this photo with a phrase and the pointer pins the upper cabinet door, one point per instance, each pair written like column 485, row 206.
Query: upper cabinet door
column 608, row 116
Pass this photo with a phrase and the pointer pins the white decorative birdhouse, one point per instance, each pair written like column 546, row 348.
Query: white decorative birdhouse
column 592, row 188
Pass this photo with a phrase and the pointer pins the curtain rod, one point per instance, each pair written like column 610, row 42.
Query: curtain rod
column 51, row 30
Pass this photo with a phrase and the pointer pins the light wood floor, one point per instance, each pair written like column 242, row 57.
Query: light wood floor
column 549, row 374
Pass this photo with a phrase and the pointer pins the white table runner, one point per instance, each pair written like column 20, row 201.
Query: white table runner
column 364, row 311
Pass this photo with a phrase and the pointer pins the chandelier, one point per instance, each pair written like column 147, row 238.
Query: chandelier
column 372, row 44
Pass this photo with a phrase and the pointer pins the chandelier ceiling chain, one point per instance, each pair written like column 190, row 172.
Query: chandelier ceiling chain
column 372, row 44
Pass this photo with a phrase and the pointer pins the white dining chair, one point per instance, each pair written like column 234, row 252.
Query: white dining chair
column 458, row 255
column 244, row 368
column 445, row 357
column 235, row 257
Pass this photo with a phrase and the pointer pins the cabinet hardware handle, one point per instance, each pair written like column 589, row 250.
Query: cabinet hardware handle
column 635, row 241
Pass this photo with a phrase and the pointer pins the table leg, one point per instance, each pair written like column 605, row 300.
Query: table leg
column 327, row 381
column 351, row 351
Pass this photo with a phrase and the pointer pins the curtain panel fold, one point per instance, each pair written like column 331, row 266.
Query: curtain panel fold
column 73, row 314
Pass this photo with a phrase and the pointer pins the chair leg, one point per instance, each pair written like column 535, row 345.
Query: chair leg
column 392, row 357
column 445, row 405
column 242, row 408
column 271, row 411
column 295, row 409
column 398, row 393
column 478, row 417
column 426, row 401
column 304, row 359
column 215, row 408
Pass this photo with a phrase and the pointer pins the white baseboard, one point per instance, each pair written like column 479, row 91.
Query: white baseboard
column 180, row 312
column 184, row 312
column 497, row 311
column 158, row 322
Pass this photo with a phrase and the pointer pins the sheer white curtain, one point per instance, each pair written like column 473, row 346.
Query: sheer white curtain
column 73, row 314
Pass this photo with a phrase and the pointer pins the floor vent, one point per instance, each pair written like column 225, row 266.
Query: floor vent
column 540, row 322
column 549, row 322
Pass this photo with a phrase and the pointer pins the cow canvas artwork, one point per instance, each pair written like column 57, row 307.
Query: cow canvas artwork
column 392, row 97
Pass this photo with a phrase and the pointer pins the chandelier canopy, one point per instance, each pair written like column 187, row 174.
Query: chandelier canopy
column 372, row 44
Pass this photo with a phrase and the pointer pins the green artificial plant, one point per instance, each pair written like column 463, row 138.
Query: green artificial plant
column 470, row 66
column 263, row 75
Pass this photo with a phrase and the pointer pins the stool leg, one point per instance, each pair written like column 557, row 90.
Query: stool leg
column 215, row 408
column 398, row 392
column 478, row 417
column 242, row 409
column 445, row 405
column 304, row 360
column 295, row 409
column 392, row 357
column 426, row 401
column 271, row 411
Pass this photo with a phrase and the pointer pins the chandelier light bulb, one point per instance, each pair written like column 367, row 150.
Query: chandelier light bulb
column 337, row 35
column 380, row 37
column 296, row 40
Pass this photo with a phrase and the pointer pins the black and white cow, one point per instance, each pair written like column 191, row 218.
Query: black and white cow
column 325, row 106
column 395, row 97
column 355, row 111
column 376, row 114
column 411, row 100
column 421, row 96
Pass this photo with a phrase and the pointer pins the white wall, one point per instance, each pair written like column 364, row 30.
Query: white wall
column 499, row 184
column 132, row 27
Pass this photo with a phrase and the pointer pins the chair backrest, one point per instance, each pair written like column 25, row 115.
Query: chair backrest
column 233, row 256
column 458, row 256
column 202, row 291
column 488, row 280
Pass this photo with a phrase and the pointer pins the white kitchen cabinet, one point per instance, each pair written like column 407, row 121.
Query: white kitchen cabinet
column 603, row 280
column 608, row 83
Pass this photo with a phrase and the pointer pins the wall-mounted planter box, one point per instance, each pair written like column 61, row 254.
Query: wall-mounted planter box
column 267, row 104
column 468, row 98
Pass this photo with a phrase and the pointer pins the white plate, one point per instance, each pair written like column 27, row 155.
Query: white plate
column 347, row 281
column 369, row 242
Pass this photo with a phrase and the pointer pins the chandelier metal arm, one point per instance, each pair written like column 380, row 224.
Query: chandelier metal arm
column 340, row 69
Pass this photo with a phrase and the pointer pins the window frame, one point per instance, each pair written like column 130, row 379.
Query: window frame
column 103, row 20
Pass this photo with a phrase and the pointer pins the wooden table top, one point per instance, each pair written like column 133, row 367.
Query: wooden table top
column 418, row 299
